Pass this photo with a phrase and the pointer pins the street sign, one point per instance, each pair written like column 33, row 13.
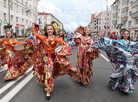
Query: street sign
column 0, row 21
column 5, row 21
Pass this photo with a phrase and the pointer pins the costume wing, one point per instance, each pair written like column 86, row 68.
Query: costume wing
column 115, row 54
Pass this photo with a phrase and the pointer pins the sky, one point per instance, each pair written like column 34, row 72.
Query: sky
column 73, row 13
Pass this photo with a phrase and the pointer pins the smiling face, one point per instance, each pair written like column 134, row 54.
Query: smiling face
column 8, row 34
column 50, row 30
column 126, row 35
column 87, row 32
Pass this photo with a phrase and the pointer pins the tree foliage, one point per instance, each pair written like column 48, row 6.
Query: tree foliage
column 7, row 27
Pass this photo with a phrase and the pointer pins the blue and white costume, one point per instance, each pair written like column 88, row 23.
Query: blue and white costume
column 124, row 61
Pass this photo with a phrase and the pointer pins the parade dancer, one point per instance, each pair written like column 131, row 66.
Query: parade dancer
column 2, row 56
column 85, row 56
column 124, row 61
column 16, row 61
column 71, row 42
column 48, row 63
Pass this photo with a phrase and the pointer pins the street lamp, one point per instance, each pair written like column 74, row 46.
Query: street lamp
column 106, row 17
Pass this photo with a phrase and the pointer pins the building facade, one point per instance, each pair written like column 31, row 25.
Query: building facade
column 125, row 12
column 98, row 23
column 22, row 14
column 47, row 18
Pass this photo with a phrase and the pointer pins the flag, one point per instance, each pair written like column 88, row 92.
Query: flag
column 39, row 21
column 108, row 27
column 105, row 27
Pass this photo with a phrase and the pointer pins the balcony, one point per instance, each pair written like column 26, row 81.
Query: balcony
column 124, row 19
column 134, row 12
column 115, row 22
column 115, row 6
column 123, row 1
column 134, row 3
column 134, row 15
column 27, row 9
column 125, row 8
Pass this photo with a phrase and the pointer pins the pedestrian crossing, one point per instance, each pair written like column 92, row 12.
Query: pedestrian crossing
column 8, row 95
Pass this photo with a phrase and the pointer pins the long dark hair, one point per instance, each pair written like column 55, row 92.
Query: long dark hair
column 46, row 34
column 123, row 33
column 11, row 34
column 85, row 31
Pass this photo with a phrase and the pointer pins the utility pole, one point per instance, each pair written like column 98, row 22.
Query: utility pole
column 9, row 10
column 106, row 19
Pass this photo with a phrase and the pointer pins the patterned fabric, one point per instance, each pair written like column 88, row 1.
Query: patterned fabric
column 85, row 56
column 124, row 61
column 2, row 56
column 18, row 61
column 51, row 65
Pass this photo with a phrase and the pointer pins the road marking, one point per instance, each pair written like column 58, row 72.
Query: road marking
column 12, row 82
column 16, row 89
column 105, row 57
column 58, row 49
column 3, row 68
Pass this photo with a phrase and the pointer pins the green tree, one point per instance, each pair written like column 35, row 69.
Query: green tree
column 54, row 22
column 119, row 26
column 45, row 27
column 23, row 31
column 28, row 30
column 7, row 27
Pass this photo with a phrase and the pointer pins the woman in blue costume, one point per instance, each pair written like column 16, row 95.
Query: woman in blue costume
column 124, row 61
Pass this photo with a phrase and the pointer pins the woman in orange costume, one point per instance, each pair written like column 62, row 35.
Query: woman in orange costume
column 17, row 64
column 48, row 63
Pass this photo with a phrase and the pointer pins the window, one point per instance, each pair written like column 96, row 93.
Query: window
column 22, row 20
column 136, row 21
column 45, row 17
column 129, row 23
column 16, row 8
column 16, row 19
column 4, row 15
column 26, row 21
column 135, row 9
column 130, row 13
column 26, row 13
column 22, row 11
column 22, row 1
column 30, row 14
column 44, row 22
column 11, row 6
column 11, row 17
column 30, row 6
column 4, row 3
column 30, row 22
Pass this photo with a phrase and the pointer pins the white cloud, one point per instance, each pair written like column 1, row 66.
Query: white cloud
column 71, row 26
column 72, row 20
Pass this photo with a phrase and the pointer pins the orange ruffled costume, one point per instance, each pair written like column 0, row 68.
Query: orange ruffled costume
column 18, row 61
column 50, row 64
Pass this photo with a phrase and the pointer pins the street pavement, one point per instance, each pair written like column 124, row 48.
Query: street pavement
column 66, row 89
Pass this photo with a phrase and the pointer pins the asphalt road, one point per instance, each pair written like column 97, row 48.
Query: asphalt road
column 66, row 89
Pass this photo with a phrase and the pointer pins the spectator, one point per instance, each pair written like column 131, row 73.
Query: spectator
column 112, row 36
